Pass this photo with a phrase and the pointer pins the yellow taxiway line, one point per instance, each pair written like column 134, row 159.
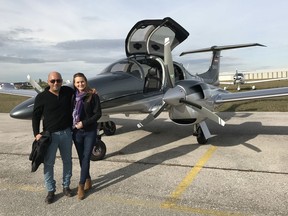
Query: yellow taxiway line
column 184, row 184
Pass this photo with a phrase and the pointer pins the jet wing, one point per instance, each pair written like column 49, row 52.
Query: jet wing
column 250, row 95
column 19, row 92
column 266, row 80
column 226, row 83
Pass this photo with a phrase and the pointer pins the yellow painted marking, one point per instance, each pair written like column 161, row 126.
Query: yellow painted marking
column 154, row 204
column 168, row 205
column 171, row 201
column 21, row 187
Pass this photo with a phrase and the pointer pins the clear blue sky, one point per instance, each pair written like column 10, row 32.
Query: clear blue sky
column 71, row 36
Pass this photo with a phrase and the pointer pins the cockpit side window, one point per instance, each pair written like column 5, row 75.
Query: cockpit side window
column 135, row 70
column 178, row 73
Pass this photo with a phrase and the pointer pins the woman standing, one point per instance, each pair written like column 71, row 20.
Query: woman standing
column 86, row 113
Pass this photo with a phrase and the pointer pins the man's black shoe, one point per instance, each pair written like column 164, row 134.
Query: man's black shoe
column 50, row 197
column 67, row 192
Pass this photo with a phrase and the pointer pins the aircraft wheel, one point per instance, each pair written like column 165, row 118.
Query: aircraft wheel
column 109, row 128
column 99, row 151
column 200, row 137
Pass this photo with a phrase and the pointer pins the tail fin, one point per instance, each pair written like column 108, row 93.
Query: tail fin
column 212, row 75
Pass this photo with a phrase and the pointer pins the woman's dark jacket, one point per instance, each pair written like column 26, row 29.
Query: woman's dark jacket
column 91, row 111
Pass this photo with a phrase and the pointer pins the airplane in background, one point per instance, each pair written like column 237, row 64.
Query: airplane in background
column 239, row 79
column 149, row 81
column 6, row 85
column 9, row 88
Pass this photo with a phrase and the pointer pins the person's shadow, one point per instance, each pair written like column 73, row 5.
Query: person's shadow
column 140, row 166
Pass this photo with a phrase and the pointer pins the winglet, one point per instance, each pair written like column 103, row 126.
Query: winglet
column 35, row 85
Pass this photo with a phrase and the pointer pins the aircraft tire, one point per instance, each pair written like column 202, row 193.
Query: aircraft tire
column 99, row 151
column 109, row 128
column 200, row 137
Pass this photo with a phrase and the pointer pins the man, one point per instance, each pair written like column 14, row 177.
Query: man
column 54, row 105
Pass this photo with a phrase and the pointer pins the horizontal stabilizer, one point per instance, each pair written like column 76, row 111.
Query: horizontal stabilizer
column 219, row 48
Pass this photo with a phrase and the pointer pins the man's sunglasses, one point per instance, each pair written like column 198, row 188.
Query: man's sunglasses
column 56, row 80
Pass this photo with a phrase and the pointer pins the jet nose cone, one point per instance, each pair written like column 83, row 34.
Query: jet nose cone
column 23, row 110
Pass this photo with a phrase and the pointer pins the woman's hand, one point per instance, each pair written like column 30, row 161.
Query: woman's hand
column 79, row 125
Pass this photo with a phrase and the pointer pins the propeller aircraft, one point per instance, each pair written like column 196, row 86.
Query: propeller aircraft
column 149, row 81
column 239, row 79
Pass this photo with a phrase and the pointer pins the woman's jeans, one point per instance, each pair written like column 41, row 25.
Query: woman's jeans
column 84, row 142
column 63, row 141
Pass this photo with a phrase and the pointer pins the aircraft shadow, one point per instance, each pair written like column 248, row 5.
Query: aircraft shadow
column 232, row 135
column 139, row 166
column 125, row 125
column 228, row 115
column 152, row 140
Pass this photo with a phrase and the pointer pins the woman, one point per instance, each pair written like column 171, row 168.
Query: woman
column 86, row 113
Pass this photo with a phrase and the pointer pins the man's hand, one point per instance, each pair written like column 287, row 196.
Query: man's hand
column 38, row 136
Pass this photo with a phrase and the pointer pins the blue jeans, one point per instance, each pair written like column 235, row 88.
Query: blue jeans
column 63, row 141
column 84, row 142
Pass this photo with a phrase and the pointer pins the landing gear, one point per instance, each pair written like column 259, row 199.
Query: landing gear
column 200, row 136
column 108, row 127
column 99, row 150
column 202, row 133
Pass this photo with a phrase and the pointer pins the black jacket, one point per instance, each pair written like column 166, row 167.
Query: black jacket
column 39, row 149
column 91, row 112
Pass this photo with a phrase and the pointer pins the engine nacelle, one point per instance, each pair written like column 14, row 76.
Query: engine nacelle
column 185, row 115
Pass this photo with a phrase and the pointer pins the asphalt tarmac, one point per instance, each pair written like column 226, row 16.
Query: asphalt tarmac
column 159, row 170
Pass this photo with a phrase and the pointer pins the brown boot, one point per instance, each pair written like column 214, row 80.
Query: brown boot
column 88, row 184
column 80, row 191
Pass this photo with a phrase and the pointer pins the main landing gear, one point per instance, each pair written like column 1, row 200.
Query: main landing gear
column 99, row 149
column 201, row 132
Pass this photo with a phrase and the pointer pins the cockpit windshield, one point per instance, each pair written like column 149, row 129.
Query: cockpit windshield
column 127, row 66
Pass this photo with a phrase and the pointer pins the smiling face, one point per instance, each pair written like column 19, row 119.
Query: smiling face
column 80, row 83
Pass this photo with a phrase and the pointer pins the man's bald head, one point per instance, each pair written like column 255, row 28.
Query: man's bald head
column 54, row 74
